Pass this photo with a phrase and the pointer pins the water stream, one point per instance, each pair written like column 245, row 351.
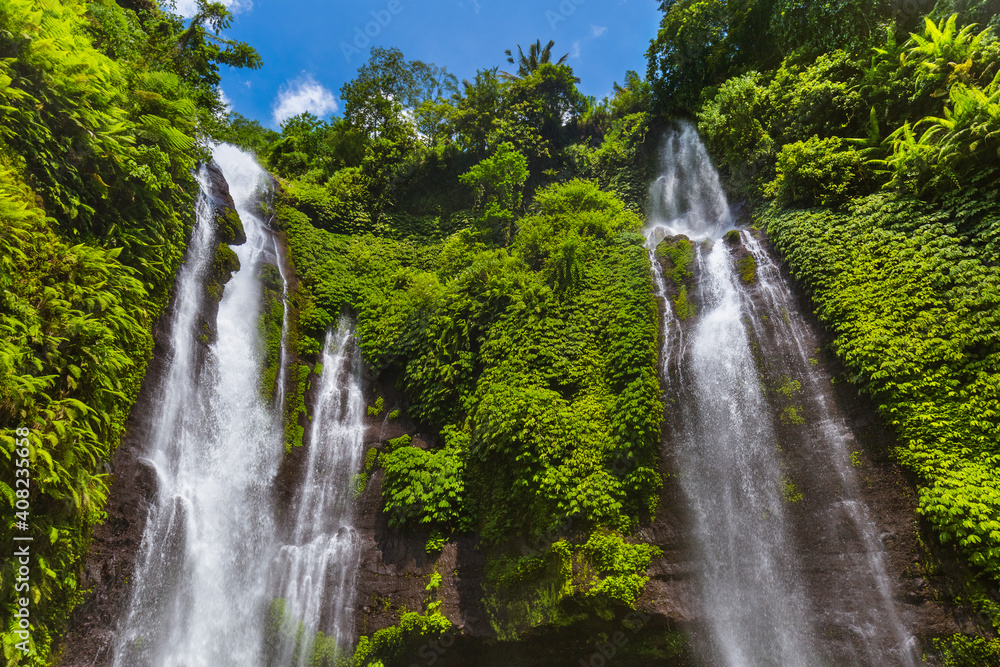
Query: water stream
column 210, row 569
column 758, row 595
column 317, row 568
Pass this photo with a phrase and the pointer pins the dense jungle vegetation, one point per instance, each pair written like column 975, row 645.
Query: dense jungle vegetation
column 865, row 138
column 485, row 236
column 487, row 239
column 101, row 109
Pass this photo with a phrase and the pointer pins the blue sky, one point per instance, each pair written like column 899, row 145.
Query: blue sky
column 307, row 44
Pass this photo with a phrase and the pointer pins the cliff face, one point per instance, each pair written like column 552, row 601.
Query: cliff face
column 395, row 567
column 924, row 577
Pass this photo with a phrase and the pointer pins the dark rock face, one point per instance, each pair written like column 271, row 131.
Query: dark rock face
column 227, row 220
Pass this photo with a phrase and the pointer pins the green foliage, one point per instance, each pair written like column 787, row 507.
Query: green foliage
column 915, row 312
column 323, row 650
column 731, row 122
column 702, row 43
column 616, row 569
column 536, row 363
column 676, row 256
column 966, row 651
column 99, row 116
column 809, row 28
column 621, row 163
column 434, row 584
column 817, row 171
column 295, row 405
column 371, row 458
column 270, row 326
column 790, row 387
column 376, row 410
column 537, row 56
column 528, row 591
column 395, row 443
column 422, row 487
column 388, row 645
column 436, row 542
column 683, row 307
column 498, row 182
column 746, row 268
column 966, row 139
column 76, row 336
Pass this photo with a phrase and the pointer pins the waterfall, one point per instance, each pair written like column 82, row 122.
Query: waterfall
column 198, row 591
column 203, row 592
column 317, row 568
column 758, row 595
column 865, row 603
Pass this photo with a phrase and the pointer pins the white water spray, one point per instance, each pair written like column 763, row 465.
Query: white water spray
column 752, row 586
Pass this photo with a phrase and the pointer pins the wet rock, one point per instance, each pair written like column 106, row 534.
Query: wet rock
column 228, row 225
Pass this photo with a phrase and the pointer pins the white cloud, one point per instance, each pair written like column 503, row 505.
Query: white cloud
column 303, row 94
column 189, row 8
column 598, row 30
column 225, row 100
column 575, row 53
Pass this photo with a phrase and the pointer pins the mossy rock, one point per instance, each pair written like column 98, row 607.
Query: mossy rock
column 676, row 255
column 229, row 227
column 747, row 269
column 732, row 238
column 683, row 307
column 271, row 278
column 225, row 264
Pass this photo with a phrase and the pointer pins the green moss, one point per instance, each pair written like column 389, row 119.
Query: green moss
column 394, row 415
column 282, row 628
column 789, row 387
column 359, row 483
column 683, row 308
column 229, row 227
column 792, row 416
column 747, row 269
column 224, row 265
column 528, row 591
column 295, row 405
column 732, row 237
column 269, row 326
column 790, row 492
column 676, row 256
column 371, row 458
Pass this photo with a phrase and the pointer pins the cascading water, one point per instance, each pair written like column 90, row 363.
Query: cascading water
column 757, row 603
column 317, row 568
column 198, row 590
column 864, row 589
column 205, row 578
column 727, row 461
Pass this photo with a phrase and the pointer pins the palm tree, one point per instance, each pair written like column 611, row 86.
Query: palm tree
column 537, row 56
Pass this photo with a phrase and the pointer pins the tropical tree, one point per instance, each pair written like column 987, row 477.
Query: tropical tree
column 537, row 56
